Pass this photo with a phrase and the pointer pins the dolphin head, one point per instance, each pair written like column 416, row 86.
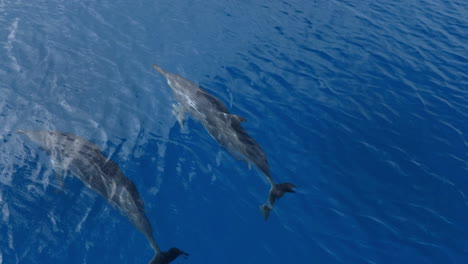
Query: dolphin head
column 178, row 83
column 45, row 139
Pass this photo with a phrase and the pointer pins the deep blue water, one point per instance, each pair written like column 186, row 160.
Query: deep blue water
column 362, row 104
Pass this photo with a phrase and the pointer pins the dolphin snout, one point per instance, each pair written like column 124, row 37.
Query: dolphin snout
column 159, row 69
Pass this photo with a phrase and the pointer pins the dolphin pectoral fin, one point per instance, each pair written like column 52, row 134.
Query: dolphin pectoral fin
column 180, row 113
column 180, row 119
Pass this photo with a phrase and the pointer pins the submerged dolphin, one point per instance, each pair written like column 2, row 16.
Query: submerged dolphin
column 224, row 127
column 84, row 160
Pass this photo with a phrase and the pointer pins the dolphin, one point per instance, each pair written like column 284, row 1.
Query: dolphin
column 225, row 128
column 84, row 160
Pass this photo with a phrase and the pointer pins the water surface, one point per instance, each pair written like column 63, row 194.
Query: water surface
column 362, row 104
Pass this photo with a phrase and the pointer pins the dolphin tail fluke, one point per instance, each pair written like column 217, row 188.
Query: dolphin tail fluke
column 279, row 190
column 276, row 192
column 265, row 210
column 160, row 70
column 166, row 257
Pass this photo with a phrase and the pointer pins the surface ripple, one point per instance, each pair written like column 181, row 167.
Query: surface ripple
column 362, row 104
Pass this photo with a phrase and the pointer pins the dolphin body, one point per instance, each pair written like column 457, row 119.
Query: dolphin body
column 84, row 160
column 224, row 127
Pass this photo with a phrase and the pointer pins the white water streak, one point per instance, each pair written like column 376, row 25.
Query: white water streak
column 6, row 213
column 80, row 224
column 10, row 238
column 6, row 220
column 9, row 46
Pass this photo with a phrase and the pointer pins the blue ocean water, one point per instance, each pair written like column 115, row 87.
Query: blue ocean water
column 362, row 104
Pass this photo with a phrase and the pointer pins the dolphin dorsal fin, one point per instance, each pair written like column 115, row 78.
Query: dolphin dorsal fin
column 239, row 118
column 235, row 117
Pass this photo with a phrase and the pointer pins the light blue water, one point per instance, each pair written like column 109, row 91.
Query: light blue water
column 362, row 104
